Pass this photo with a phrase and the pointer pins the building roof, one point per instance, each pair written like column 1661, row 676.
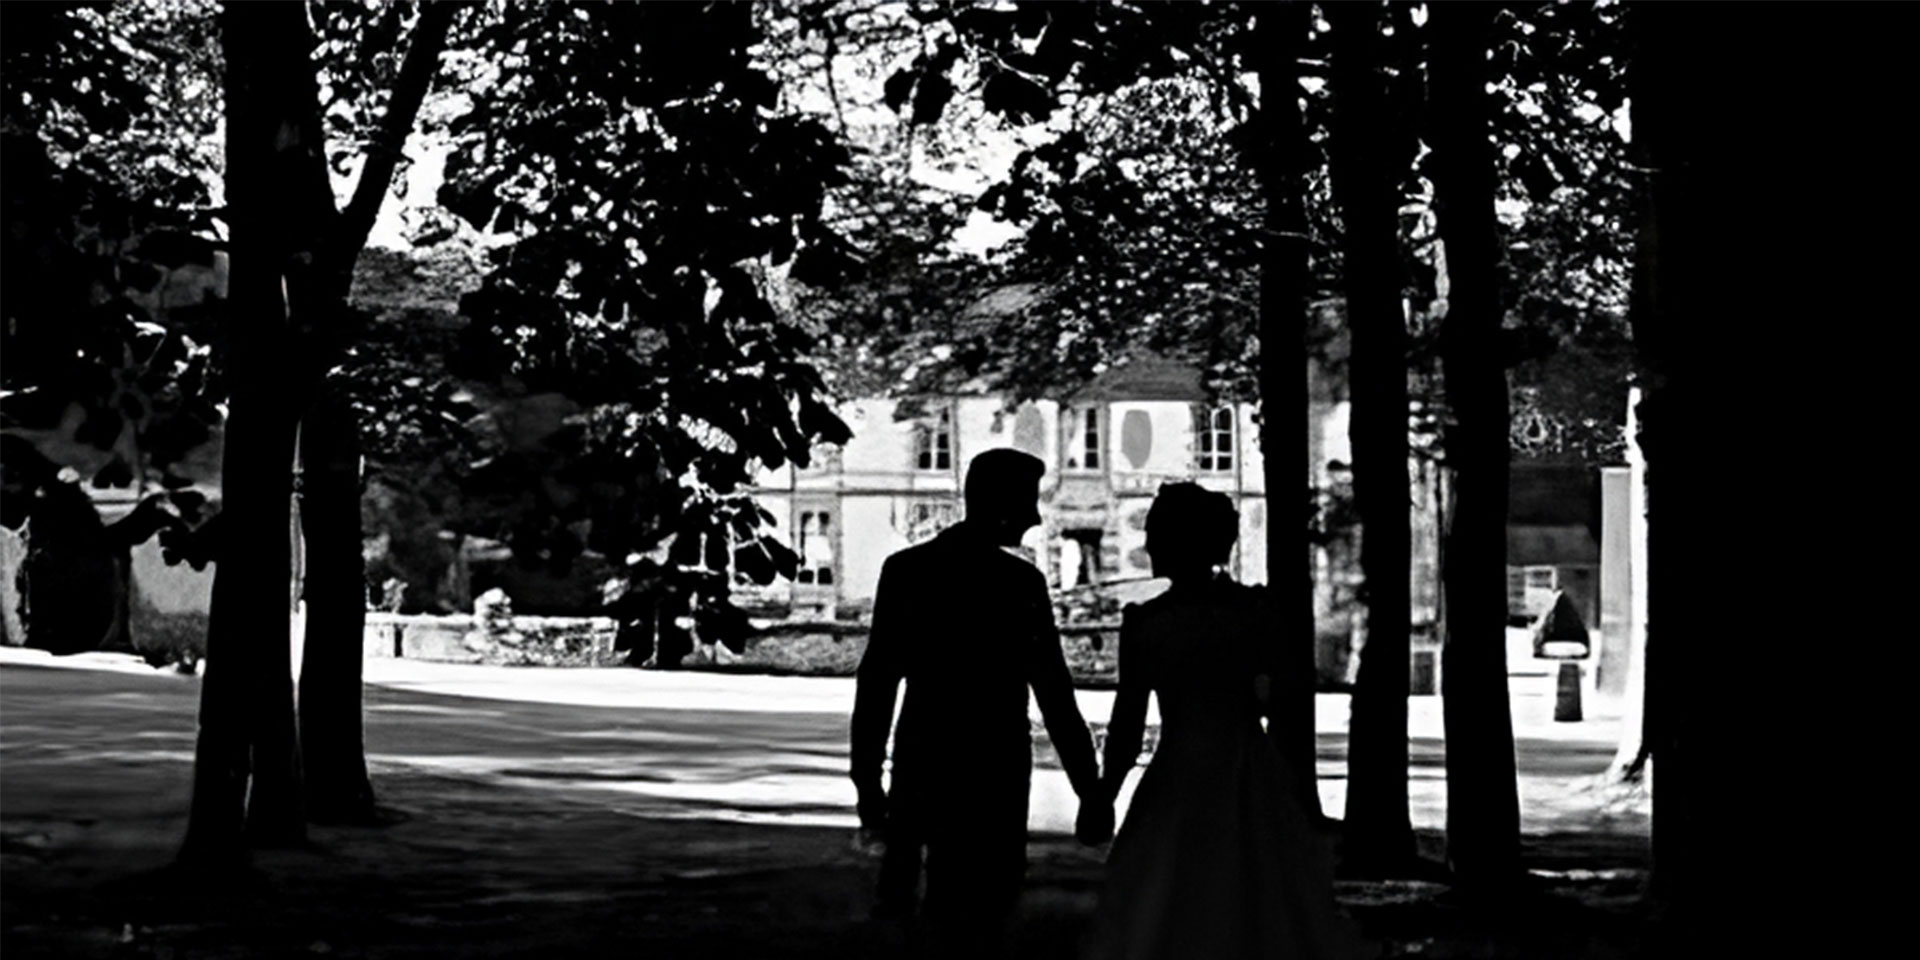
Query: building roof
column 1144, row 378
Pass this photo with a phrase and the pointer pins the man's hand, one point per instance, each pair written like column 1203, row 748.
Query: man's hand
column 1094, row 825
column 869, row 843
column 872, row 806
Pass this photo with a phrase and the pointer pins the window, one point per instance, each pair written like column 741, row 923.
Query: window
column 1083, row 439
column 934, row 444
column 824, row 459
column 1213, row 439
column 1080, row 558
column 816, row 548
column 927, row 518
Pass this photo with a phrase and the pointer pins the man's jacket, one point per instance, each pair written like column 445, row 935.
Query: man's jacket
column 970, row 629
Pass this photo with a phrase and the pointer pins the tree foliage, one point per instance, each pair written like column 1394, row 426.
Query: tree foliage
column 1568, row 236
column 111, row 332
column 649, row 197
column 1132, row 196
column 650, row 192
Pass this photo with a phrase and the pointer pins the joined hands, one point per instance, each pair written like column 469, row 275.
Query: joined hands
column 1094, row 825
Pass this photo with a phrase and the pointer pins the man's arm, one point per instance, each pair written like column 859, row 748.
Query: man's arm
column 877, row 686
column 1052, row 686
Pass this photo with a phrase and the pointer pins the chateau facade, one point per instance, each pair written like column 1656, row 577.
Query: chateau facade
column 1107, row 448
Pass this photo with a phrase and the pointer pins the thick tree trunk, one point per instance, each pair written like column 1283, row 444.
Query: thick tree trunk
column 1365, row 181
column 331, row 731
column 1483, row 803
column 1284, row 278
column 1762, row 317
column 1662, row 301
column 1630, row 759
column 246, row 762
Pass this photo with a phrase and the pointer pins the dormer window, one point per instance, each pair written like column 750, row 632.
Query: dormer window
column 1213, row 439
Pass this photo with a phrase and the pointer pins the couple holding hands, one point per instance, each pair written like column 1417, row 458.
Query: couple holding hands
column 1217, row 858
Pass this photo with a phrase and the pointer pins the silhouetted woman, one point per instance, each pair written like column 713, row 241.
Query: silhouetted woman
column 1216, row 858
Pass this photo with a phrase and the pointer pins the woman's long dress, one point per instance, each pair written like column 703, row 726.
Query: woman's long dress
column 1216, row 858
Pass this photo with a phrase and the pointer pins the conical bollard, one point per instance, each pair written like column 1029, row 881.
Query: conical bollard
column 1566, row 701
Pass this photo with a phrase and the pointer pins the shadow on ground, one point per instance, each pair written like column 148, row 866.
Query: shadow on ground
column 93, row 800
column 484, row 873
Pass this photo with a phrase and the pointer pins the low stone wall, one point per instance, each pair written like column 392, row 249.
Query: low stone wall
column 800, row 649
column 519, row 641
column 1093, row 652
column 834, row 649
column 794, row 648
column 797, row 648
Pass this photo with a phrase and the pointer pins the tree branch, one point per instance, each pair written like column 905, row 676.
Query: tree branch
column 383, row 154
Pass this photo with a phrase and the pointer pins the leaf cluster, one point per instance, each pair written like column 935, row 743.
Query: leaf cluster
column 648, row 190
column 1143, row 220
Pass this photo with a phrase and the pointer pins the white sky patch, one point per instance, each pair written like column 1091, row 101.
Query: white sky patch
column 982, row 234
column 423, row 179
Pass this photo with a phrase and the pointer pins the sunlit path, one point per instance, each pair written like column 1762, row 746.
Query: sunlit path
column 743, row 748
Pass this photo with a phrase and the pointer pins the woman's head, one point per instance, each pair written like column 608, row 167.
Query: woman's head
column 1190, row 530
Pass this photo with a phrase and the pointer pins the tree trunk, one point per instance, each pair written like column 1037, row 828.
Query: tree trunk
column 1659, row 315
column 1745, row 273
column 1483, row 802
column 1284, row 283
column 331, row 733
column 331, row 722
column 1365, row 181
column 1766, row 320
column 246, row 761
column 1630, row 759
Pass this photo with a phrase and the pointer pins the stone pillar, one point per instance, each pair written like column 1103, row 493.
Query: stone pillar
column 1566, row 701
column 1616, row 580
column 13, row 558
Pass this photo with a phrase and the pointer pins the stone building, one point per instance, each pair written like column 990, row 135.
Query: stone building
column 1108, row 448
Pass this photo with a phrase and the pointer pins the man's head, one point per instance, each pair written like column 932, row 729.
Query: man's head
column 1003, row 493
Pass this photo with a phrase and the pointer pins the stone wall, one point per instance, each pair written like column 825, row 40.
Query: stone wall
column 514, row 641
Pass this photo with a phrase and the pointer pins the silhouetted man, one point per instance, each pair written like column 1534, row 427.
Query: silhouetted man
column 969, row 627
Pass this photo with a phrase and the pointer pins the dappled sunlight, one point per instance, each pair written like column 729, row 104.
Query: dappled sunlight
column 752, row 748
column 434, row 709
column 81, row 755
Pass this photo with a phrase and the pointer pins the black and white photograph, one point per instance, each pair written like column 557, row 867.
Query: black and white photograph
column 806, row 479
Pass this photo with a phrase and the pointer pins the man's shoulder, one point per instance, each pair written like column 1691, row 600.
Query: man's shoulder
column 909, row 555
column 909, row 564
column 953, row 555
